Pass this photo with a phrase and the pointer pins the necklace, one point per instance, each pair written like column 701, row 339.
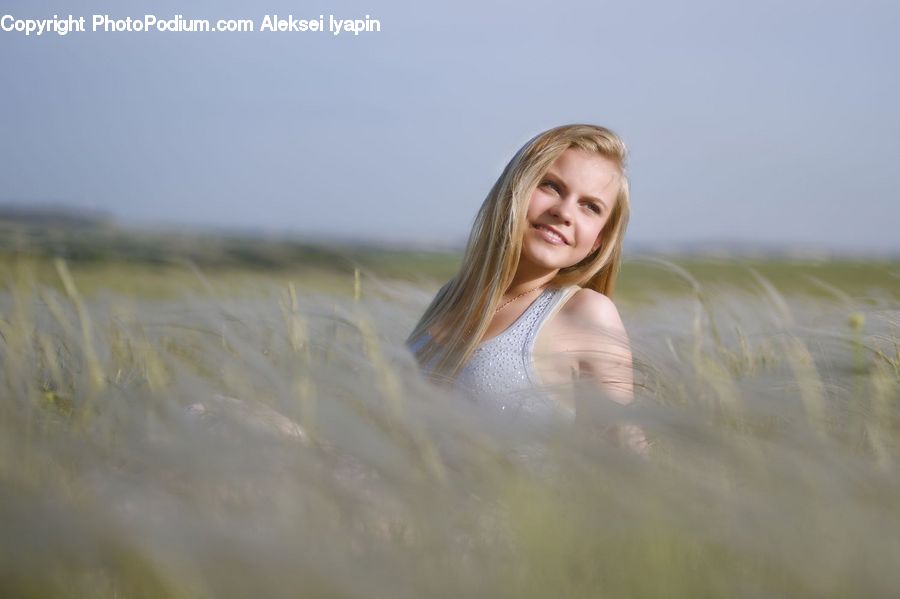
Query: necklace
column 508, row 302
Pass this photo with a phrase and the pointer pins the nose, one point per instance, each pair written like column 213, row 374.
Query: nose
column 562, row 209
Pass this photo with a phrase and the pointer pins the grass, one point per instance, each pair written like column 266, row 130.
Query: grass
column 198, row 430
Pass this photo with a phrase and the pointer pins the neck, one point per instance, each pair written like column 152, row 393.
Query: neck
column 526, row 279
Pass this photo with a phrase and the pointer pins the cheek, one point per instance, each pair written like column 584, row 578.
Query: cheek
column 588, row 240
column 538, row 204
column 604, row 224
column 592, row 232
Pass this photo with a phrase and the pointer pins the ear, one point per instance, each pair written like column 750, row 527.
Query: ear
column 597, row 243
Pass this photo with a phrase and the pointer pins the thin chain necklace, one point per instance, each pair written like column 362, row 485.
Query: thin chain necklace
column 508, row 302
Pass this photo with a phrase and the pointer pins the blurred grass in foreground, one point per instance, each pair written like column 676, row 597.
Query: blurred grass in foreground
column 208, row 431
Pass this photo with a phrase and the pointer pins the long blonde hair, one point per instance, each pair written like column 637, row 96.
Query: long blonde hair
column 465, row 306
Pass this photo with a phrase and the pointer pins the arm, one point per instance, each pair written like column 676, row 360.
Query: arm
column 606, row 363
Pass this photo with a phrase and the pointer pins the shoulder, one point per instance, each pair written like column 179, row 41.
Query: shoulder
column 593, row 309
column 600, row 334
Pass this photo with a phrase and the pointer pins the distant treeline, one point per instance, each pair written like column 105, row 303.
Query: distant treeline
column 47, row 216
column 82, row 238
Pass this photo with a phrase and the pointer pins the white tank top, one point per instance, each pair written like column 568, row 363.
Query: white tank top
column 502, row 368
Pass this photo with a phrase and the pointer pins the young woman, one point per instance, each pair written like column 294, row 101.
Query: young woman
column 530, row 305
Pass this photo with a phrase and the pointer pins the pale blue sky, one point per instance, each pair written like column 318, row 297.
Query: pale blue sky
column 763, row 123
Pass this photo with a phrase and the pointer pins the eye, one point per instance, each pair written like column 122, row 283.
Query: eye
column 594, row 207
column 550, row 184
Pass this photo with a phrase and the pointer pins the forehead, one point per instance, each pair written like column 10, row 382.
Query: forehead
column 588, row 172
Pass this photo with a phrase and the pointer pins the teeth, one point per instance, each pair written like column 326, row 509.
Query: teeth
column 551, row 233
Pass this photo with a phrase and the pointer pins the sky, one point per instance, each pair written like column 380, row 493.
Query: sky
column 762, row 124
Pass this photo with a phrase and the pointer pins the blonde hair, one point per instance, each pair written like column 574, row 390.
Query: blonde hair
column 465, row 306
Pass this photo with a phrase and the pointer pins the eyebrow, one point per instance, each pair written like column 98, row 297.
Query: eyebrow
column 560, row 181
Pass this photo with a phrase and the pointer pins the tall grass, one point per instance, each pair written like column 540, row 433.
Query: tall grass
column 282, row 443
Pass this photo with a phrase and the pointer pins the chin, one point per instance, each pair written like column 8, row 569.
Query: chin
column 545, row 259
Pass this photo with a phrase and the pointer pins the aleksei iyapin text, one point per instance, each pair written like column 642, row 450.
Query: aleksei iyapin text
column 179, row 24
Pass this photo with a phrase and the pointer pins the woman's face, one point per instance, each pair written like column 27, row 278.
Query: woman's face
column 568, row 210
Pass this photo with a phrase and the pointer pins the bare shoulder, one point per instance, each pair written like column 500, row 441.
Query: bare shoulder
column 601, row 336
column 593, row 309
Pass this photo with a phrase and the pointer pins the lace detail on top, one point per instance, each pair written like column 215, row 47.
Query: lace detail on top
column 502, row 367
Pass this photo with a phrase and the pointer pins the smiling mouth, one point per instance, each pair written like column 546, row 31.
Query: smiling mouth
column 551, row 235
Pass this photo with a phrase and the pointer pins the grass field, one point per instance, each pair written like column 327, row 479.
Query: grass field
column 187, row 419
